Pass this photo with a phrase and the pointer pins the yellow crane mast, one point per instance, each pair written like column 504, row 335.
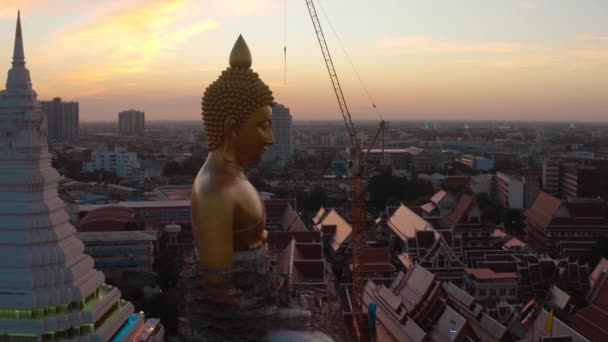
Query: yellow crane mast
column 359, row 159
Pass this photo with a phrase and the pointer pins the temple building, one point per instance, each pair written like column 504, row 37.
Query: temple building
column 566, row 228
column 49, row 290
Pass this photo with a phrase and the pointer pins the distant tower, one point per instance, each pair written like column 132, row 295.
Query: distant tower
column 172, row 231
column 540, row 135
column 551, row 176
column 62, row 120
column 283, row 148
column 49, row 290
column 132, row 122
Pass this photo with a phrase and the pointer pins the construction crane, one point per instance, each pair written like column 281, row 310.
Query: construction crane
column 359, row 159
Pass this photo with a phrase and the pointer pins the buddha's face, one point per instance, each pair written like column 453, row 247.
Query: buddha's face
column 254, row 136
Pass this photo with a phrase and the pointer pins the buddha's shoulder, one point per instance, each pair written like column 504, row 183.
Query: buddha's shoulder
column 221, row 186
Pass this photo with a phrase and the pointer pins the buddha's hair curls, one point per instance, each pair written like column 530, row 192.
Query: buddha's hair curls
column 238, row 92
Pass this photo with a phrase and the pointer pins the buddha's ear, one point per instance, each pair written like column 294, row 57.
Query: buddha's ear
column 231, row 127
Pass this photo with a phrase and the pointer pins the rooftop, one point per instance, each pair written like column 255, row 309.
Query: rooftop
column 343, row 229
column 129, row 235
column 175, row 192
column 488, row 274
column 138, row 204
column 404, row 222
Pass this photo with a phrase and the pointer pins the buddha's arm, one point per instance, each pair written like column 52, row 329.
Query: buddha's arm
column 213, row 217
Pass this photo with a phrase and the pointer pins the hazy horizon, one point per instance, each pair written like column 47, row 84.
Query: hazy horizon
column 462, row 61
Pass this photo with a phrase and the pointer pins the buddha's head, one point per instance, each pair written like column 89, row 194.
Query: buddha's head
column 237, row 109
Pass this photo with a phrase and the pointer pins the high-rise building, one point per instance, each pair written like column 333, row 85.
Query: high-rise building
column 551, row 176
column 131, row 122
column 579, row 180
column 62, row 120
column 283, row 148
column 571, row 179
column 49, row 290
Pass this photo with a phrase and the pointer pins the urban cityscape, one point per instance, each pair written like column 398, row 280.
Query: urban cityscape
column 251, row 221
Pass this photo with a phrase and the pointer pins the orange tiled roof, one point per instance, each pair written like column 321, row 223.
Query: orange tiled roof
column 343, row 229
column 404, row 222
column 488, row 274
column 463, row 206
column 543, row 209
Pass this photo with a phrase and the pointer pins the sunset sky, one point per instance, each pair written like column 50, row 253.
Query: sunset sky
column 456, row 60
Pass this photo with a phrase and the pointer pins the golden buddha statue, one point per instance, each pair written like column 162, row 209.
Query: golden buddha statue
column 228, row 215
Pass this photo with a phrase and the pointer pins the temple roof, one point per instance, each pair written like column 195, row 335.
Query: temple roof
column 462, row 208
column 342, row 231
column 404, row 223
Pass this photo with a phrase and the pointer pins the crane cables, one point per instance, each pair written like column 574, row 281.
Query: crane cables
column 284, row 41
column 369, row 96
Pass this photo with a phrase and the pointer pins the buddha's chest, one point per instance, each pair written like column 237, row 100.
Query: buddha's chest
column 249, row 215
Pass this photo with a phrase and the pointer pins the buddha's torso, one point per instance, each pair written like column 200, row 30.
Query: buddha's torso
column 249, row 213
column 249, row 218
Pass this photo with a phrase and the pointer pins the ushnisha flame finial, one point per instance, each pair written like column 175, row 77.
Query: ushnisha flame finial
column 240, row 56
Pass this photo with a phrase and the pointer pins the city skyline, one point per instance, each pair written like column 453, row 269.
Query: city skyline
column 474, row 60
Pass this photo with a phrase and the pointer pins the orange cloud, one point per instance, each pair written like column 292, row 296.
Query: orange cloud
column 514, row 62
column 8, row 8
column 592, row 37
column 587, row 57
column 130, row 39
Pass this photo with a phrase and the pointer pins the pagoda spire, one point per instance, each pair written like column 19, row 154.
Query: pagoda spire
column 18, row 82
column 18, row 54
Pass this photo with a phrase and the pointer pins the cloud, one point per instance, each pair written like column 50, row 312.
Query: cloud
column 508, row 55
column 128, row 40
column 592, row 37
column 242, row 7
column 8, row 8
column 89, row 92
column 427, row 43
column 587, row 57
column 527, row 5
column 513, row 62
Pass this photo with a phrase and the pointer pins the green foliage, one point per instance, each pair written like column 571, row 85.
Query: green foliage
column 165, row 306
column 314, row 199
column 189, row 167
column 71, row 167
column 172, row 168
column 513, row 222
column 66, row 165
column 600, row 249
column 388, row 189
column 168, row 265
column 490, row 210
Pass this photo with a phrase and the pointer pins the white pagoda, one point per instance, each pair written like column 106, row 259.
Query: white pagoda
column 49, row 290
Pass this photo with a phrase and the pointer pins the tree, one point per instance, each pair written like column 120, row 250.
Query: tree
column 168, row 265
column 513, row 222
column 172, row 168
column 67, row 165
column 314, row 199
column 165, row 306
column 490, row 210
column 388, row 189
column 192, row 165
column 384, row 188
column 600, row 249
